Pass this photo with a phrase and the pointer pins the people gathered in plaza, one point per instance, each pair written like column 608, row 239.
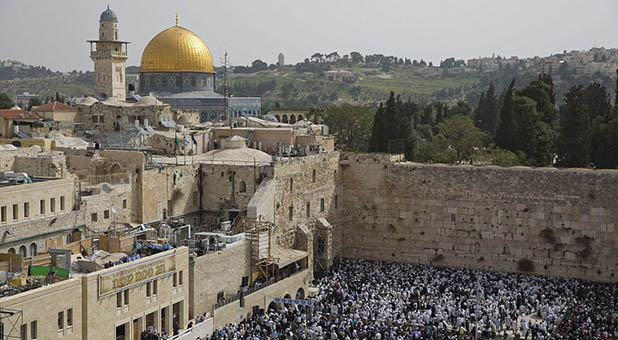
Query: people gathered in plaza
column 390, row 301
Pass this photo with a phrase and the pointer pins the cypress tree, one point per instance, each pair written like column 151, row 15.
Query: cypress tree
column 505, row 131
column 574, row 142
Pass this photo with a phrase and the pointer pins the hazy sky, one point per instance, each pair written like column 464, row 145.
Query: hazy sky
column 54, row 33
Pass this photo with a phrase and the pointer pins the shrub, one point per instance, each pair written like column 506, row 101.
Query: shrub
column 525, row 265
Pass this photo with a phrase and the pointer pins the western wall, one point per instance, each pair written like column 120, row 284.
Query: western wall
column 555, row 222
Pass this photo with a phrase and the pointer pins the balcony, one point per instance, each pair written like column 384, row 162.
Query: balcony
column 108, row 54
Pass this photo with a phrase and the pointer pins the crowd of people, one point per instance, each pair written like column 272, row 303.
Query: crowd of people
column 375, row 300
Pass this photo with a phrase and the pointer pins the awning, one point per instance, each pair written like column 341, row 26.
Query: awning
column 287, row 256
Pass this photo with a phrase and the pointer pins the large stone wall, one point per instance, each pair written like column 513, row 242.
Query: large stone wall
column 545, row 221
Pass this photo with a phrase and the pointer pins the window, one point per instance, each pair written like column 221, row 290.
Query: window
column 23, row 251
column 3, row 214
column 60, row 321
column 23, row 332
column 308, row 209
column 174, row 280
column 118, row 300
column 33, row 330
column 124, row 203
column 336, row 199
column 42, row 207
column 193, row 81
column 26, row 209
column 70, row 317
column 61, row 203
column 313, row 177
column 148, row 289
column 52, row 204
column 106, row 214
column 126, row 297
column 180, row 278
column 220, row 296
column 291, row 184
column 93, row 217
column 33, row 249
column 321, row 205
column 155, row 287
column 291, row 213
column 243, row 186
column 15, row 211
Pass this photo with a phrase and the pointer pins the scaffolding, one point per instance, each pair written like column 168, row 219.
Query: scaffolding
column 261, row 254
column 11, row 321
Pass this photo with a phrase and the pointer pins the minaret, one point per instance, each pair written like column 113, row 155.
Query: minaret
column 109, row 58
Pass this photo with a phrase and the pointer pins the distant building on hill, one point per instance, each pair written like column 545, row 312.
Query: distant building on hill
column 281, row 60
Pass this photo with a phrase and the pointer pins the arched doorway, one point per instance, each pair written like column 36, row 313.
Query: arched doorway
column 300, row 117
column 33, row 249
column 273, row 306
column 292, row 119
column 287, row 296
column 23, row 251
column 278, row 118
column 284, row 119
column 300, row 293
column 11, row 250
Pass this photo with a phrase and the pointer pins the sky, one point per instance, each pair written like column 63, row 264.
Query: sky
column 54, row 33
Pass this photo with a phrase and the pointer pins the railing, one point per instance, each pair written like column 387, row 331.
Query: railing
column 234, row 162
column 122, row 178
column 99, row 54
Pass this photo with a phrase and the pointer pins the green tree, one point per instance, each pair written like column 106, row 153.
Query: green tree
column 486, row 115
column 351, row 126
column 462, row 136
column 393, row 121
column 5, row 101
column 574, row 142
column 506, row 128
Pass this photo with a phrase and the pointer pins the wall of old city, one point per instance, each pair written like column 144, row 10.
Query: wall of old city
column 545, row 221
column 218, row 272
column 304, row 191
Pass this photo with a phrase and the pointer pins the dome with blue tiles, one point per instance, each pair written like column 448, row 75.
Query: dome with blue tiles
column 109, row 15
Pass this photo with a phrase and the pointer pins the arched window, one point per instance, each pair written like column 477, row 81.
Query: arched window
column 291, row 184
column 292, row 119
column 116, row 35
column 300, row 117
column 313, row 176
column 243, row 186
column 33, row 249
column 284, row 119
column 69, row 238
column 11, row 250
column 23, row 251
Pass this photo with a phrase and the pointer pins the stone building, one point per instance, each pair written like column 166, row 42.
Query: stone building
column 109, row 57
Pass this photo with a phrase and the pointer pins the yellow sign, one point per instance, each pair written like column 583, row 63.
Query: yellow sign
column 112, row 282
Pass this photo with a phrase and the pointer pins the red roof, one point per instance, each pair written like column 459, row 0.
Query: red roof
column 54, row 106
column 18, row 114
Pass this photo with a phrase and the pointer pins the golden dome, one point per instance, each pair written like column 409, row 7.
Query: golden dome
column 177, row 49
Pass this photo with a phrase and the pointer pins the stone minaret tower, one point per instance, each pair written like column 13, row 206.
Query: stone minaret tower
column 109, row 58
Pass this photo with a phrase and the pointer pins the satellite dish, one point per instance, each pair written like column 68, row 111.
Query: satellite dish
column 106, row 187
column 114, row 210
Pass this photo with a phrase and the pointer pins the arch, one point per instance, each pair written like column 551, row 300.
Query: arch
column 23, row 251
column 300, row 293
column 243, row 186
column 287, row 296
column 11, row 251
column 273, row 306
column 300, row 117
column 278, row 118
column 69, row 238
column 284, row 119
column 292, row 119
column 33, row 249
column 16, row 143
column 115, row 169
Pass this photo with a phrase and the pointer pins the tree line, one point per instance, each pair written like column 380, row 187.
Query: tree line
column 518, row 126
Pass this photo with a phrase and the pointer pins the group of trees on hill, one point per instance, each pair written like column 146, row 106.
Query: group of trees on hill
column 518, row 126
